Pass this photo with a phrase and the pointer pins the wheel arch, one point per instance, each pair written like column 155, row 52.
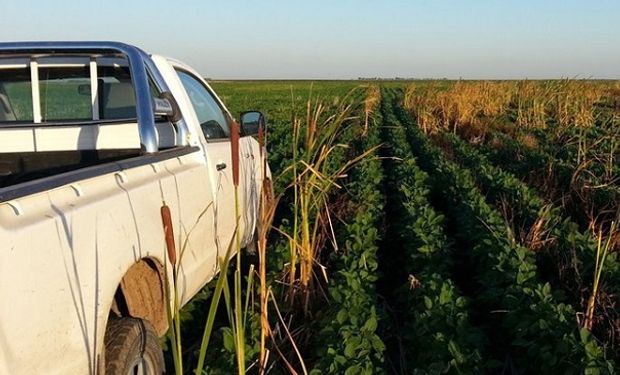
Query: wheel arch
column 142, row 292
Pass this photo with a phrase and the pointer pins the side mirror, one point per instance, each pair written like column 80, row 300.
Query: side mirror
column 251, row 122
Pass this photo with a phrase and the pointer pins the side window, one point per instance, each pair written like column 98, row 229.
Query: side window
column 210, row 115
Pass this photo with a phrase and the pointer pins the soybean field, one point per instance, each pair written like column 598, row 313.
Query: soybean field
column 435, row 227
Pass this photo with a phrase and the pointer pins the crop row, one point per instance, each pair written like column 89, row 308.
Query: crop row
column 574, row 142
column 562, row 248
column 348, row 342
column 438, row 335
column 526, row 161
column 331, row 342
column 540, row 224
column 588, row 183
column 527, row 326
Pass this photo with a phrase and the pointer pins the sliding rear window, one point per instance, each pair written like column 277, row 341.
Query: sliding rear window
column 66, row 95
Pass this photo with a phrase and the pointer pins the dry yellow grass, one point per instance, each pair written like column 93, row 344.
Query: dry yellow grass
column 531, row 100
column 471, row 106
column 462, row 104
column 528, row 140
column 422, row 102
column 373, row 97
column 573, row 102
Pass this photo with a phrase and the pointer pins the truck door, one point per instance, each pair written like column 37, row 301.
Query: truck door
column 215, row 128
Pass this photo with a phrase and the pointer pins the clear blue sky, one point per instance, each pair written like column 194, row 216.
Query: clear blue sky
column 344, row 38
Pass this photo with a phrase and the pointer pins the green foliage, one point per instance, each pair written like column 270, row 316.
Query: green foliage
column 477, row 300
column 439, row 337
column 518, row 308
column 348, row 342
column 578, row 169
column 565, row 252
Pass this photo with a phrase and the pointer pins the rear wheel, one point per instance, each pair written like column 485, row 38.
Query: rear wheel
column 132, row 348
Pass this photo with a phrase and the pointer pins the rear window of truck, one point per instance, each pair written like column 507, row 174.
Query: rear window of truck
column 65, row 94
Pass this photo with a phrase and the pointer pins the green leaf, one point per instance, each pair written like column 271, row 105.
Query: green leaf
column 353, row 370
column 371, row 324
column 456, row 352
column 229, row 340
column 446, row 294
column 349, row 349
column 428, row 302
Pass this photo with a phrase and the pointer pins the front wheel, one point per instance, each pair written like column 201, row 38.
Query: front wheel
column 132, row 347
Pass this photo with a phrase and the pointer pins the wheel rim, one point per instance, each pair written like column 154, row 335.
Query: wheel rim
column 142, row 366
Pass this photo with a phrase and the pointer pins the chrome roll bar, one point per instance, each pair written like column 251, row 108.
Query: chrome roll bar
column 141, row 68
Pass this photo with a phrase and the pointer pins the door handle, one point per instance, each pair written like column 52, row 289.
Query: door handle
column 220, row 166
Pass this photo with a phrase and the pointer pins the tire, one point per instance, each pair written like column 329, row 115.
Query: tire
column 132, row 347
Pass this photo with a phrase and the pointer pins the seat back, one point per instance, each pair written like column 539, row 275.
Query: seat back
column 119, row 101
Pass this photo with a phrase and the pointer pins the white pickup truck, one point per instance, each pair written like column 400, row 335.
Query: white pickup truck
column 101, row 147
